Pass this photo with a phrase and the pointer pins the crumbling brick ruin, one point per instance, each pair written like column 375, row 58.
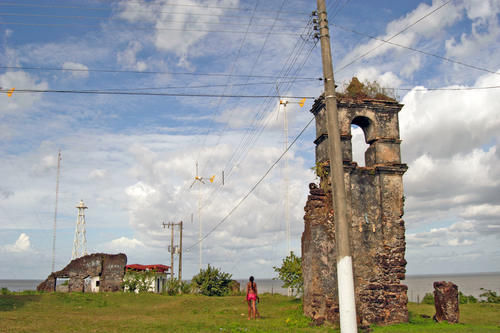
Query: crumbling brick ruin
column 374, row 206
column 110, row 269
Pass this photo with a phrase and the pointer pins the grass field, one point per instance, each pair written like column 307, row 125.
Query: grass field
column 118, row 312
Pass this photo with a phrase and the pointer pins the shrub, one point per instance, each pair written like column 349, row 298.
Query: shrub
column 212, row 282
column 428, row 298
column 290, row 272
column 186, row 288
column 172, row 287
column 5, row 291
column 462, row 299
column 357, row 90
column 491, row 296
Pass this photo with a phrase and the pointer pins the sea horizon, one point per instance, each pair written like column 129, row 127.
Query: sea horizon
column 418, row 284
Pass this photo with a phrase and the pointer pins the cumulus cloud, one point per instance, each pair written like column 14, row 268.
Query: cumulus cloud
column 176, row 31
column 440, row 20
column 19, row 103
column 128, row 57
column 22, row 244
column 77, row 70
column 123, row 244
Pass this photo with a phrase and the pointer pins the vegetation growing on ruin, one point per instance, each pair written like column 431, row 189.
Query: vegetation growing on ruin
column 129, row 312
column 357, row 90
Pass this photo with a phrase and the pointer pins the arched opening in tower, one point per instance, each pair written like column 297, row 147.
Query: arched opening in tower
column 361, row 128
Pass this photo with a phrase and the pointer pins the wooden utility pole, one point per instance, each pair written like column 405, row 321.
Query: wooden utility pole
column 344, row 259
column 180, row 251
column 172, row 250
column 171, row 226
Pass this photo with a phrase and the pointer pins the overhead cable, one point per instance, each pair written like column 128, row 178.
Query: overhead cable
column 106, row 92
column 142, row 72
column 16, row 4
column 146, row 29
column 121, row 19
column 416, row 50
column 253, row 187
column 394, row 36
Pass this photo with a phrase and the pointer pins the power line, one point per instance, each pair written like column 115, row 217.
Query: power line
column 161, row 4
column 254, row 187
column 253, row 133
column 416, row 50
column 394, row 36
column 194, row 87
column 233, row 65
column 9, row 4
column 339, row 9
column 104, row 92
column 448, row 89
column 142, row 72
column 83, row 17
column 144, row 29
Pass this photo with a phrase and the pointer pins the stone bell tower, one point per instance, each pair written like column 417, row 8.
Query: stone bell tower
column 375, row 202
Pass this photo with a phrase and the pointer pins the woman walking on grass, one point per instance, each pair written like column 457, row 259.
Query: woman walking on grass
column 252, row 297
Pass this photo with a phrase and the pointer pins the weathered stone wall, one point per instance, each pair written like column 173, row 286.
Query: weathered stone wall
column 110, row 268
column 374, row 206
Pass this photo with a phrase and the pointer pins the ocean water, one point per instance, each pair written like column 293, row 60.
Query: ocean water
column 418, row 285
column 468, row 284
column 20, row 285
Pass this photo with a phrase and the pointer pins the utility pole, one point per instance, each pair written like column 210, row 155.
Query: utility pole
column 173, row 248
column 285, row 180
column 345, row 279
column 180, row 252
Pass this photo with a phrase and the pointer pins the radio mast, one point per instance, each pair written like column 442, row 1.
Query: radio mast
column 55, row 211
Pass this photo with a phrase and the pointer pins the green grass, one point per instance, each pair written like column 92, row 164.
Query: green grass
column 118, row 312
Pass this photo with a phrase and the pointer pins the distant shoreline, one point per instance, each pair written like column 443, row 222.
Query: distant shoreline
column 271, row 278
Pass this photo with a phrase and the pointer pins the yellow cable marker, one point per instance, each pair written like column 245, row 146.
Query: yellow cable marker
column 10, row 92
column 302, row 102
column 212, row 179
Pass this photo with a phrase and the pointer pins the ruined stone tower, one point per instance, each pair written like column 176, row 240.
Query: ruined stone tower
column 374, row 207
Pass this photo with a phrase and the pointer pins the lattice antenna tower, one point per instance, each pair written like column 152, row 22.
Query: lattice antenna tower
column 55, row 211
column 80, row 242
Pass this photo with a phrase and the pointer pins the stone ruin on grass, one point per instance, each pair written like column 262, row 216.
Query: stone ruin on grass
column 446, row 302
column 109, row 269
column 375, row 202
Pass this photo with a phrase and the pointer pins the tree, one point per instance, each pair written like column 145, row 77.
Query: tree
column 212, row 282
column 290, row 272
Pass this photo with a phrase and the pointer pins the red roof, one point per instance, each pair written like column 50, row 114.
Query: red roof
column 158, row 267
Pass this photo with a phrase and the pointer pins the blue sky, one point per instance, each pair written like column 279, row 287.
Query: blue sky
column 132, row 158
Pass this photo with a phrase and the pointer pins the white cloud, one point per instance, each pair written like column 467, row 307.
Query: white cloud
column 82, row 70
column 128, row 57
column 98, row 174
column 178, row 30
column 387, row 79
column 22, row 244
column 123, row 244
column 436, row 22
column 19, row 103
